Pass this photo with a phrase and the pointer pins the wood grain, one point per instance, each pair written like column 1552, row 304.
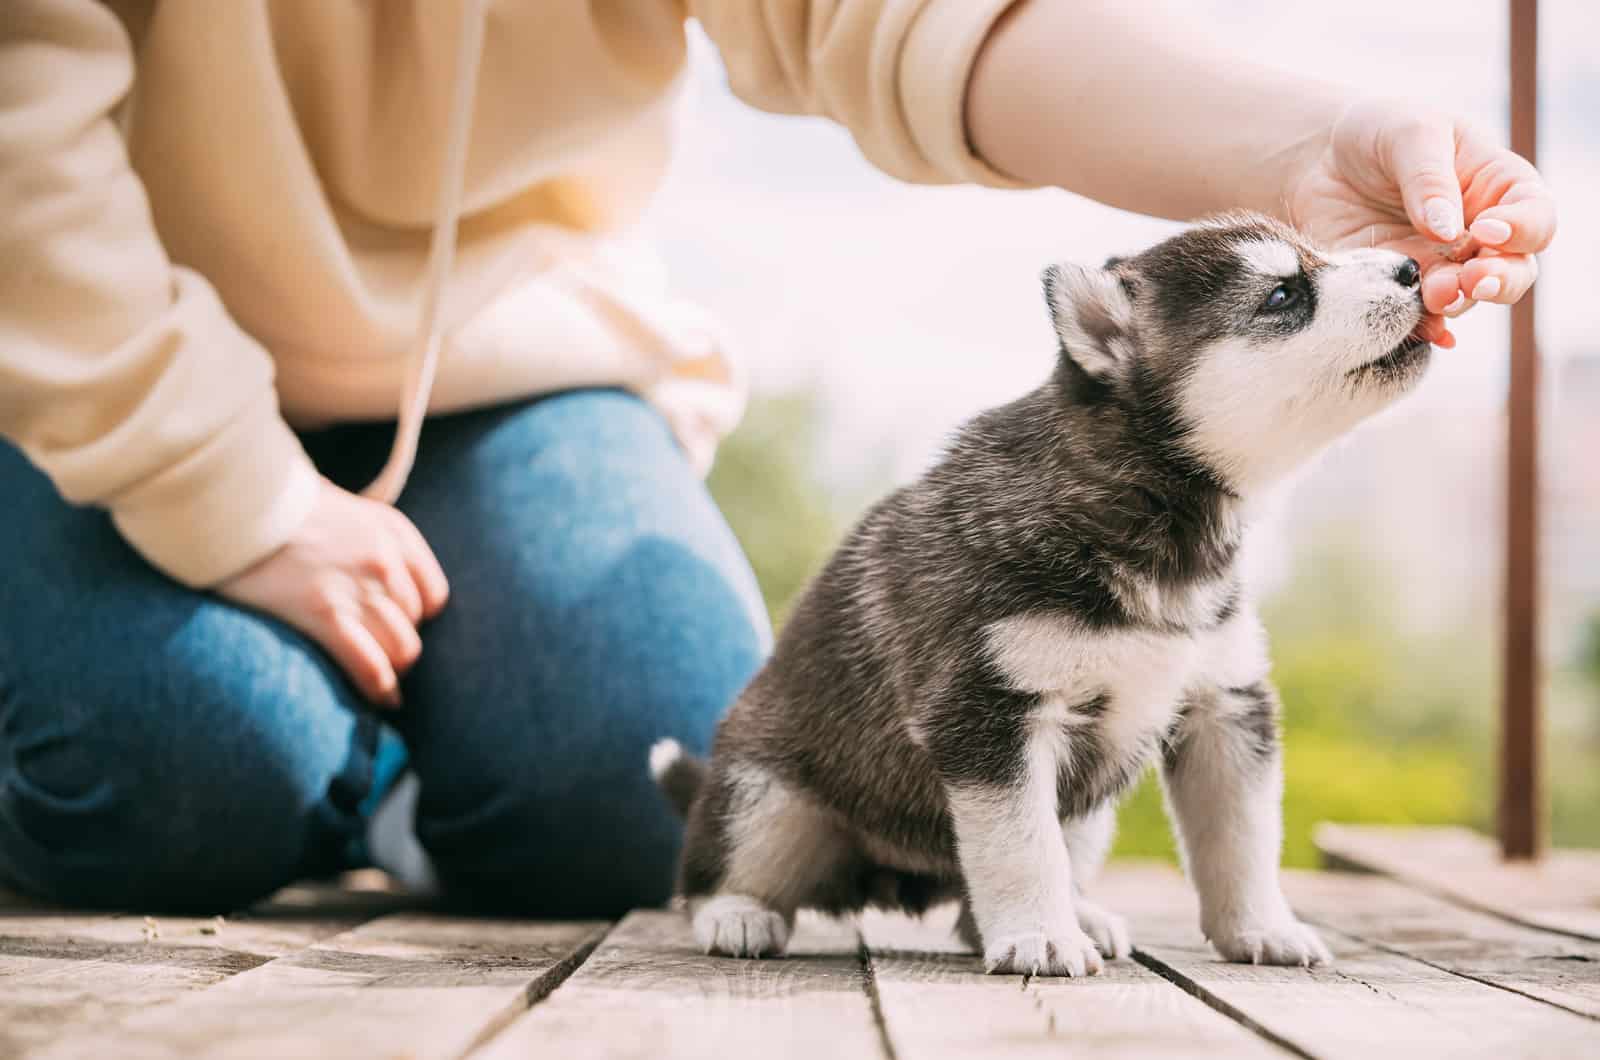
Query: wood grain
column 937, row 1003
column 1370, row 1002
column 1561, row 892
column 1557, row 969
column 409, row 985
column 311, row 976
column 61, row 971
column 647, row 991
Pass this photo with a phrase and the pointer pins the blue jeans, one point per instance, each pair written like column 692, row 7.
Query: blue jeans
column 160, row 748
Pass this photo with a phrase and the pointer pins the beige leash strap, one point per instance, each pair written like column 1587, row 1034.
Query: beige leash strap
column 423, row 362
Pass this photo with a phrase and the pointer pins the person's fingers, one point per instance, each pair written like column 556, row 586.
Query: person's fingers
column 394, row 632
column 433, row 586
column 399, row 584
column 1441, row 286
column 1523, row 227
column 1506, row 200
column 1419, row 155
column 1458, row 307
column 1503, row 279
column 1436, row 330
column 358, row 653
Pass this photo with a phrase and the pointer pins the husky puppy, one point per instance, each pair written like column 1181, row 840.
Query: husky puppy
column 997, row 650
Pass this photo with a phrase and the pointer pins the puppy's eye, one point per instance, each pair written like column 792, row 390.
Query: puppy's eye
column 1282, row 297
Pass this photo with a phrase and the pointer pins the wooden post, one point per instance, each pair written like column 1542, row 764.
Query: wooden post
column 1521, row 788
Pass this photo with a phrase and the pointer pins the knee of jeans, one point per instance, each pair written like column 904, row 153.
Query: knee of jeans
column 564, row 818
column 177, row 790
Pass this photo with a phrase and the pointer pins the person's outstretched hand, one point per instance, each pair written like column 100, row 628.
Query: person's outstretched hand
column 1472, row 213
column 356, row 578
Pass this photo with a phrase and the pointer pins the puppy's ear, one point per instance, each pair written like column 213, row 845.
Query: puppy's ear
column 1092, row 316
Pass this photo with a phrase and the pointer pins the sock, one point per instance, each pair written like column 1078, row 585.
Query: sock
column 392, row 842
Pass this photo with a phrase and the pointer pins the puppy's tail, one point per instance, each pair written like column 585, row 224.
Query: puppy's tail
column 678, row 773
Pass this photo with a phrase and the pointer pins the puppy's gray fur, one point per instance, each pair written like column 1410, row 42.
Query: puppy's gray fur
column 997, row 650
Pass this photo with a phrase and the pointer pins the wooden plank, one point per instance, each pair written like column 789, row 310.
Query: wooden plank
column 65, row 970
column 408, row 984
column 1559, row 970
column 1559, row 893
column 648, row 991
column 938, row 1003
column 1370, row 1002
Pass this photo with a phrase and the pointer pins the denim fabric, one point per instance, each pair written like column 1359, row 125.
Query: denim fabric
column 160, row 748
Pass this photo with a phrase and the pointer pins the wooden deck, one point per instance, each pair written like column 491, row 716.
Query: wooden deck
column 1448, row 956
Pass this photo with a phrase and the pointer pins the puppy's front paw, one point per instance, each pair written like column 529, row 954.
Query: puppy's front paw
column 1108, row 930
column 1065, row 952
column 734, row 925
column 1280, row 941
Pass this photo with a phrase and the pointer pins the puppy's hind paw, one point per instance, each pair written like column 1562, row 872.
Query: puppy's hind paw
column 733, row 925
column 1284, row 941
column 1067, row 952
column 1108, row 930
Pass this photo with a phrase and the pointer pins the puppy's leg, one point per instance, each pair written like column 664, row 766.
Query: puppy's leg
column 967, row 927
column 1088, row 839
column 775, row 850
column 1223, row 774
column 1000, row 781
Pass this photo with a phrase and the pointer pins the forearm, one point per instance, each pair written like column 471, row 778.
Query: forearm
column 1139, row 113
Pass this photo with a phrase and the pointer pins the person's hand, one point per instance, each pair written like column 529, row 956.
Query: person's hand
column 1472, row 213
column 356, row 578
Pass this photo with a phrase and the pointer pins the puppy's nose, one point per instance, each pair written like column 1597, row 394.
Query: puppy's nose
column 1409, row 273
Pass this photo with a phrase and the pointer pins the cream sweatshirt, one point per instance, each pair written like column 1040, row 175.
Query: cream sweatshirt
column 222, row 217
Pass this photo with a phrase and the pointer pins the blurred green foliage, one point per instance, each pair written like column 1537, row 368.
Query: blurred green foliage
column 766, row 484
column 1590, row 658
column 1380, row 725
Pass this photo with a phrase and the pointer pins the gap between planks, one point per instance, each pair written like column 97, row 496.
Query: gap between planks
column 648, row 992
column 898, row 988
column 1552, row 968
column 416, row 985
column 1414, row 970
column 1559, row 893
column 938, row 1004
column 64, row 970
column 1371, row 999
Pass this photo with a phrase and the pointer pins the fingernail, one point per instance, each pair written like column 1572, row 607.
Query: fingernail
column 1487, row 288
column 1491, row 231
column 1442, row 218
column 1454, row 306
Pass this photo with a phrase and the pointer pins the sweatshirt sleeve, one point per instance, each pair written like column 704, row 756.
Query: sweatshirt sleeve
column 122, row 376
column 893, row 72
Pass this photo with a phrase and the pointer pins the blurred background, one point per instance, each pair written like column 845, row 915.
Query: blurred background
column 874, row 317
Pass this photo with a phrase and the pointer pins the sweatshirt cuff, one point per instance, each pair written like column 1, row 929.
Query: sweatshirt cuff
column 225, row 506
column 935, row 66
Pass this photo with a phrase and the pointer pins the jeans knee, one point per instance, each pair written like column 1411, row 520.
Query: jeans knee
column 575, row 826
column 193, row 800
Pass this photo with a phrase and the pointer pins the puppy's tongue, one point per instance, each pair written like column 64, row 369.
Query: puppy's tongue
column 1432, row 328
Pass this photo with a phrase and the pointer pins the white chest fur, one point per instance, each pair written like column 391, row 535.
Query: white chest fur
column 1140, row 677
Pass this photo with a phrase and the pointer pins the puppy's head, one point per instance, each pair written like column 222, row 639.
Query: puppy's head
column 1261, row 348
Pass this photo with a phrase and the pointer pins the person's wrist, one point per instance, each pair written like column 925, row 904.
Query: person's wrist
column 1307, row 139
